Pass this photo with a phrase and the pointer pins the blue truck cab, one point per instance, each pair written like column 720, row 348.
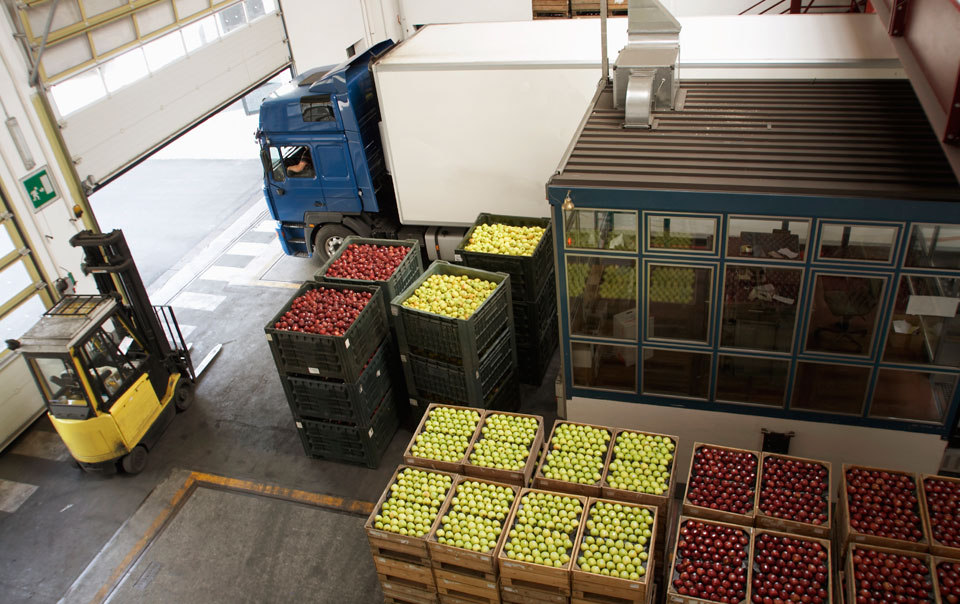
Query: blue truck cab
column 324, row 171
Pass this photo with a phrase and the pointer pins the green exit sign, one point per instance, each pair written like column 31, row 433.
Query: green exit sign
column 39, row 188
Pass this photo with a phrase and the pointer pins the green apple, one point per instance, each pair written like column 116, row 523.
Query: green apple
column 456, row 296
column 577, row 453
column 544, row 529
column 616, row 540
column 505, row 441
column 413, row 503
column 641, row 463
column 505, row 239
column 446, row 434
column 478, row 511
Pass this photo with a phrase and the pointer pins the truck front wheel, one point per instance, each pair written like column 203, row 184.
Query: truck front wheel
column 328, row 240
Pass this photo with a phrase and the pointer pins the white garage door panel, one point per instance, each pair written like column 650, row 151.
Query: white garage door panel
column 111, row 134
column 20, row 401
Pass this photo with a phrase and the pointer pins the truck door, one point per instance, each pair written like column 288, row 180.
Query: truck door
column 294, row 183
column 336, row 176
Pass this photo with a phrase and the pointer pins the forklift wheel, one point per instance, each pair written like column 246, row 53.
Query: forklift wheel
column 135, row 461
column 183, row 396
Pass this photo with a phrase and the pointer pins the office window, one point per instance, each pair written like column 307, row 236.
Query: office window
column 843, row 314
column 925, row 328
column 830, row 388
column 602, row 296
column 679, row 300
column 915, row 395
column 752, row 381
column 676, row 372
column 934, row 246
column 600, row 230
column 767, row 238
column 681, row 234
column 604, row 366
column 857, row 242
column 760, row 307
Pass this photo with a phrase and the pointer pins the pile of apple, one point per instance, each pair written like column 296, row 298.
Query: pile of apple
column 672, row 241
column 576, row 278
column 545, row 526
column 476, row 516
column 618, row 282
column 711, row 562
column 790, row 569
column 943, row 503
column 414, row 502
column 948, row 575
column 884, row 504
column 505, row 239
column 881, row 577
column 794, row 490
column 446, row 434
column 455, row 296
column 615, row 543
column 673, row 284
column 328, row 312
column 504, row 441
column 641, row 463
column 367, row 262
column 723, row 479
column 577, row 453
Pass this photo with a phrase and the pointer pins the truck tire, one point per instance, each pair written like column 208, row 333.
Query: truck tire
column 328, row 239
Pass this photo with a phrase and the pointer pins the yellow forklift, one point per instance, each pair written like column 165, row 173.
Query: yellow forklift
column 112, row 368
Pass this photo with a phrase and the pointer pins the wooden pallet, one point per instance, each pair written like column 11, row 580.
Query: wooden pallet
column 706, row 513
column 520, row 478
column 455, row 467
column 850, row 588
column 846, row 535
column 831, row 587
column 793, row 526
column 936, row 548
column 661, row 502
column 591, row 8
column 407, row 591
column 448, row 599
column 469, row 592
column 521, row 594
column 401, row 547
column 400, row 599
column 573, row 488
column 551, row 8
column 397, row 569
column 672, row 597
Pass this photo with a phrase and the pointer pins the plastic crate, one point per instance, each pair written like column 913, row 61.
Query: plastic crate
column 410, row 268
column 532, row 361
column 529, row 318
column 339, row 357
column 365, row 445
column 505, row 396
column 459, row 341
column 527, row 273
column 353, row 402
column 467, row 384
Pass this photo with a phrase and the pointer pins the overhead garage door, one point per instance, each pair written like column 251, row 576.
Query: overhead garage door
column 125, row 76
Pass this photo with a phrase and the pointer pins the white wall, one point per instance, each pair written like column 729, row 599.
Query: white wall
column 423, row 12
column 320, row 31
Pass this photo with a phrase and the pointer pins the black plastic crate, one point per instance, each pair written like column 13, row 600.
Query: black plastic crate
column 410, row 268
column 461, row 385
column 530, row 317
column 505, row 396
column 338, row 357
column 364, row 445
column 527, row 273
column 533, row 359
column 458, row 341
column 353, row 402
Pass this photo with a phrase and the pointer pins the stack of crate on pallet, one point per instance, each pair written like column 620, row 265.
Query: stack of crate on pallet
column 470, row 362
column 715, row 471
column 506, row 449
column 533, row 288
column 339, row 388
column 550, row 9
column 568, row 445
column 591, row 8
column 940, row 501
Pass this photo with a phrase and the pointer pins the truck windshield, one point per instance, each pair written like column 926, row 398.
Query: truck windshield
column 59, row 381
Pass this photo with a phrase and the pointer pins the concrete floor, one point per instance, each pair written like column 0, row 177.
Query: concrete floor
column 239, row 426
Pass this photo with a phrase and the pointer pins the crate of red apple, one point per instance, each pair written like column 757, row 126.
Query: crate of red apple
column 722, row 484
column 328, row 330
column 795, row 495
column 882, row 508
column 790, row 568
column 882, row 575
column 390, row 263
column 941, row 511
column 710, row 563
column 947, row 580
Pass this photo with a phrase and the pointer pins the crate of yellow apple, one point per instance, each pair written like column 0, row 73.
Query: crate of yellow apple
column 443, row 437
column 506, row 448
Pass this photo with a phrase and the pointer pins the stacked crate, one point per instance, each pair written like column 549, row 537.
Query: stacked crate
column 554, row 450
column 470, row 362
column 533, row 288
column 816, row 490
column 591, row 8
column 677, row 592
column 486, row 469
column 940, row 501
column 339, row 388
column 719, row 513
column 545, row 9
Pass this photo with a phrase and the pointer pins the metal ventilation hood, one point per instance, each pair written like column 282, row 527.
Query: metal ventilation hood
column 646, row 73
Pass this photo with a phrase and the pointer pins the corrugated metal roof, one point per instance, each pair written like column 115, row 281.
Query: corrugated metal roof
column 864, row 138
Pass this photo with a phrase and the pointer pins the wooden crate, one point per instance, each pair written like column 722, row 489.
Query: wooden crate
column 538, row 577
column 435, row 464
column 850, row 588
column 661, row 502
column 524, row 595
column 591, row 8
column 937, row 560
column 794, row 526
column 455, row 560
column 401, row 599
column 401, row 547
column 391, row 569
column 562, row 486
column 847, row 535
column 936, row 548
column 697, row 511
column 471, row 593
column 520, row 478
column 401, row 590
column 601, row 589
column 672, row 597
column 651, row 598
column 831, row 587
column 551, row 7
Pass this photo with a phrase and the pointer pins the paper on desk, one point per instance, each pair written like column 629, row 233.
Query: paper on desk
column 933, row 306
column 788, row 253
column 783, row 299
column 901, row 326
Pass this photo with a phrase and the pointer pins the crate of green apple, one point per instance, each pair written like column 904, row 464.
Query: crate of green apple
column 790, row 568
column 614, row 559
column 328, row 330
column 641, row 469
column 940, row 499
column 795, row 495
column 882, row 508
column 443, row 437
column 882, row 575
column 946, row 580
column 390, row 263
column 722, row 484
column 407, row 513
column 710, row 563
column 506, row 448
column 537, row 553
column 575, row 457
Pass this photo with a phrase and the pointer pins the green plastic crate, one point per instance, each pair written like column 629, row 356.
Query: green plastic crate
column 363, row 445
column 505, row 396
column 530, row 317
column 533, row 358
column 338, row 357
column 410, row 268
column 527, row 273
